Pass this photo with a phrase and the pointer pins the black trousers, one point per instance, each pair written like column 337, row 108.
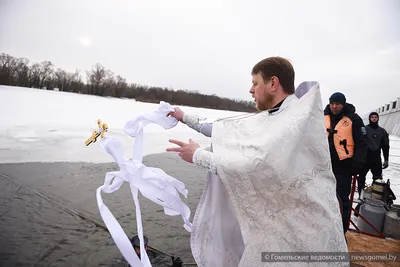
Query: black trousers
column 373, row 163
column 343, row 188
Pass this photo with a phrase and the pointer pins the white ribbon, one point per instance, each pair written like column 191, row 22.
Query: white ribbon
column 153, row 183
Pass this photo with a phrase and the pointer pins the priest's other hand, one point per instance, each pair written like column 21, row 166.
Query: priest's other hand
column 186, row 150
column 177, row 114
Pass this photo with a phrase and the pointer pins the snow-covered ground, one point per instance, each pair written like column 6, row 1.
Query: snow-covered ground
column 48, row 126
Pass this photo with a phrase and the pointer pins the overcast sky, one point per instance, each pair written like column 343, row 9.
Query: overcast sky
column 211, row 45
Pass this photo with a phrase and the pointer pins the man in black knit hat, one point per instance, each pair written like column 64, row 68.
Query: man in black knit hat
column 347, row 138
column 378, row 139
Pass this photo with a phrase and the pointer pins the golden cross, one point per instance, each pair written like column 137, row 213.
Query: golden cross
column 102, row 129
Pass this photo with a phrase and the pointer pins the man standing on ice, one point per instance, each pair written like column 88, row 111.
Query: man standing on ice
column 270, row 187
column 378, row 140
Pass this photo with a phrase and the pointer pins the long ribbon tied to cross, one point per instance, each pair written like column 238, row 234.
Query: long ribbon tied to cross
column 153, row 183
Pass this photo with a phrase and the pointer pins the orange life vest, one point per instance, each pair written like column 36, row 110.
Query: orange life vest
column 342, row 136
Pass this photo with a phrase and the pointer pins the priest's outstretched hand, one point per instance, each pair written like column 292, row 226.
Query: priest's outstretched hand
column 186, row 150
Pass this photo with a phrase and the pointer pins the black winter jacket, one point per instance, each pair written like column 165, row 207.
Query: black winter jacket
column 359, row 136
column 378, row 139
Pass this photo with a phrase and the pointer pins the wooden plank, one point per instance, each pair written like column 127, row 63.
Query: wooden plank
column 357, row 242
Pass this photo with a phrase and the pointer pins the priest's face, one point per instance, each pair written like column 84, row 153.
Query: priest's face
column 261, row 92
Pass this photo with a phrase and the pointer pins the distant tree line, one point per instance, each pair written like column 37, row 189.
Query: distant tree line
column 103, row 82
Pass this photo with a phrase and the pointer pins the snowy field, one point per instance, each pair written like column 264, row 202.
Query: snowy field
column 50, row 126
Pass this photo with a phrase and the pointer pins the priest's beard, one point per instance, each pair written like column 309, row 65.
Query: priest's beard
column 266, row 103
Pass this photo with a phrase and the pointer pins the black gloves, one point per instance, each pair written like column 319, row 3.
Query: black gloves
column 176, row 262
column 385, row 164
column 356, row 167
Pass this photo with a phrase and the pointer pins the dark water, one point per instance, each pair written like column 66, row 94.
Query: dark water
column 49, row 215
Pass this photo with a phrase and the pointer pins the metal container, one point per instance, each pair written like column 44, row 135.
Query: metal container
column 366, row 195
column 373, row 210
column 391, row 227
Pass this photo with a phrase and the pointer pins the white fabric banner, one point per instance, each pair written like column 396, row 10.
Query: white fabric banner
column 153, row 183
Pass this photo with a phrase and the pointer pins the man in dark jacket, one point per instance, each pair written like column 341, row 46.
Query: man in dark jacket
column 378, row 139
column 347, row 138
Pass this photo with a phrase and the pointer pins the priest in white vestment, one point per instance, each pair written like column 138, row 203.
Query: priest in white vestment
column 270, row 186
